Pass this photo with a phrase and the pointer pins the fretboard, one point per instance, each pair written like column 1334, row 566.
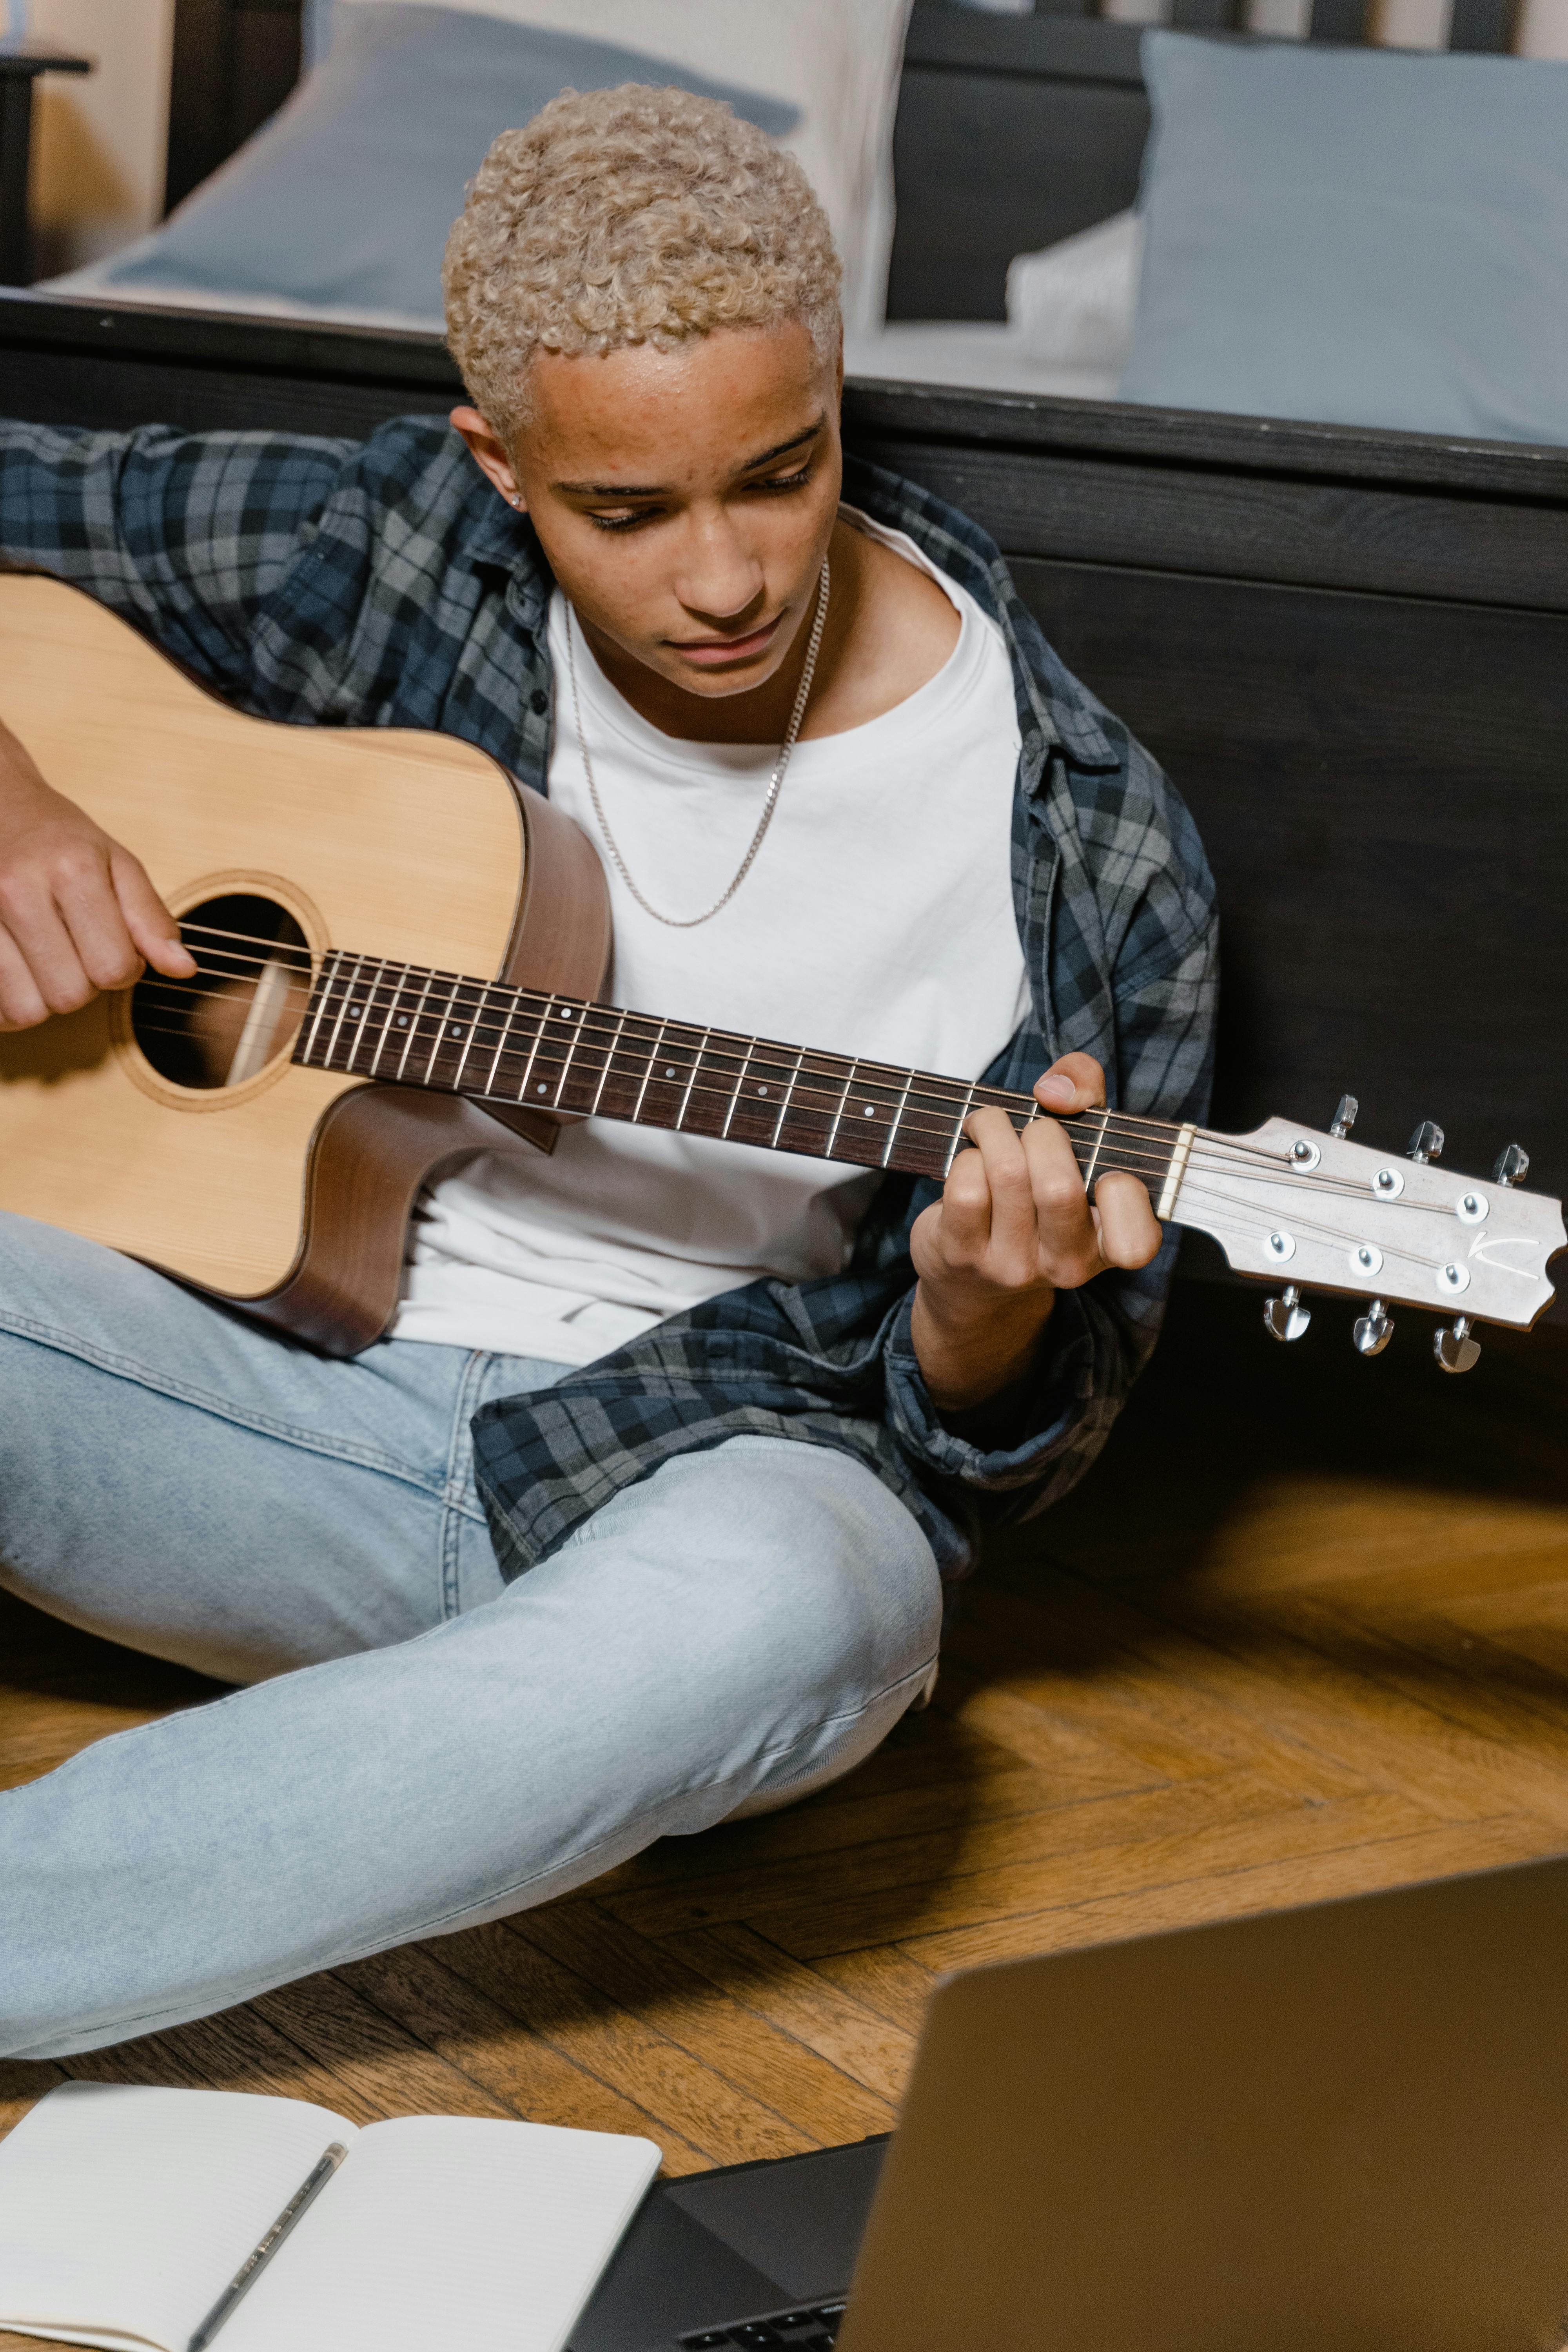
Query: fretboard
column 410, row 1026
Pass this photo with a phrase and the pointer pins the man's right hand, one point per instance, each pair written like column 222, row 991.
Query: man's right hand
column 77, row 911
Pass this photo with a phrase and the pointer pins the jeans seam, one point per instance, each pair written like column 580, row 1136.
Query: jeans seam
column 128, row 1368
column 453, row 1489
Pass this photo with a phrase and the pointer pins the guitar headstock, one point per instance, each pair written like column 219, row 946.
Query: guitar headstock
column 1320, row 1213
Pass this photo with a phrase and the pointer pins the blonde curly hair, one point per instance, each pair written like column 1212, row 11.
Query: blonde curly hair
column 629, row 216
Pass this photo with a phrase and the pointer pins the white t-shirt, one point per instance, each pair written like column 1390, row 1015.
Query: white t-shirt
column 878, row 920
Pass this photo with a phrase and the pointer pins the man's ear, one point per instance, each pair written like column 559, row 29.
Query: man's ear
column 488, row 453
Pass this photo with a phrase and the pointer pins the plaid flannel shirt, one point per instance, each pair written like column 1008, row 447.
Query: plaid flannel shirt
column 384, row 583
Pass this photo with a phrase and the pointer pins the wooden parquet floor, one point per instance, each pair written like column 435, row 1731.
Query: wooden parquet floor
column 1303, row 1632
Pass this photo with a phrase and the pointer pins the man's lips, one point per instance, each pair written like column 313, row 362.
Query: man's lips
column 712, row 653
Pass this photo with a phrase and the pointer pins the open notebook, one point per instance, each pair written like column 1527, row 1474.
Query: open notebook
column 124, row 2214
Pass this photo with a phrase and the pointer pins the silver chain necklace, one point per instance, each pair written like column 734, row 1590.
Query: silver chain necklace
column 689, row 922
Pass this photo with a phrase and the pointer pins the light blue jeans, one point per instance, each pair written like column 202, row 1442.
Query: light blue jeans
column 418, row 1747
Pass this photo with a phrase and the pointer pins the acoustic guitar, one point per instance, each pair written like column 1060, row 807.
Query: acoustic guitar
column 399, row 946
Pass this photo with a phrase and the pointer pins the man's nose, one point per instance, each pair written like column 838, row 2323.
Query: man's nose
column 721, row 579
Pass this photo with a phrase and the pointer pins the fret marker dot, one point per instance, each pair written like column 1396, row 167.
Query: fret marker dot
column 761, row 1090
column 869, row 1111
column 542, row 1090
column 402, row 1020
column 669, row 1074
column 353, row 1012
column 455, row 1030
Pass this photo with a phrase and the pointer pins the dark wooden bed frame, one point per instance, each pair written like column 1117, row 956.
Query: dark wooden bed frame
column 1350, row 648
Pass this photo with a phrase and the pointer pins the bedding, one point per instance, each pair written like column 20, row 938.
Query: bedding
column 835, row 64
column 343, row 200
column 1358, row 236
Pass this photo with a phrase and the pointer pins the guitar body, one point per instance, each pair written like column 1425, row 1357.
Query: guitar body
column 287, row 1191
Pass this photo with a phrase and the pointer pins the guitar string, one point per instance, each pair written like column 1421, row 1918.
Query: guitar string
column 610, row 1017
column 936, row 1135
column 917, row 1141
column 1114, row 1131
column 869, row 1075
column 1003, row 1097
column 1197, row 1192
column 1216, row 1154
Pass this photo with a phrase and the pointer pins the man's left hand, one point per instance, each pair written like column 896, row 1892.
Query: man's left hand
column 1013, row 1227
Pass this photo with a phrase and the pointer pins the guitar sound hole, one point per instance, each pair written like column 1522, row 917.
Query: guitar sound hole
column 241, row 1009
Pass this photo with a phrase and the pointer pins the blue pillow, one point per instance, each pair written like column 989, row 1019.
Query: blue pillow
column 1360, row 237
column 345, row 197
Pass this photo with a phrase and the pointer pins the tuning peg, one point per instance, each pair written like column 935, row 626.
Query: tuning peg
column 1344, row 1117
column 1512, row 1165
column 1453, row 1346
column 1426, row 1143
column 1285, row 1318
column 1374, row 1329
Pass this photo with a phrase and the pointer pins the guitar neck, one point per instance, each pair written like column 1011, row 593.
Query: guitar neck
column 414, row 1027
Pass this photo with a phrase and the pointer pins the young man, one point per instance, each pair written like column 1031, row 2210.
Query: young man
column 737, row 1416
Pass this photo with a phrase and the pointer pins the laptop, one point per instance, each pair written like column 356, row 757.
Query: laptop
column 1341, row 2128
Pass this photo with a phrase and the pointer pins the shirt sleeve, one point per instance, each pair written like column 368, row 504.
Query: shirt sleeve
column 187, row 535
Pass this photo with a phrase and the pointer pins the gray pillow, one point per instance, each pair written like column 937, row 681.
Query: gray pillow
column 1362, row 236
column 345, row 197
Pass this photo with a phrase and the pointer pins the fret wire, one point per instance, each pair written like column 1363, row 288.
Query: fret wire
column 735, row 1093
column 692, row 1080
column 533, row 1053
column 361, row 1051
column 898, row 1120
column 788, row 1096
column 345, row 1008
column 387, row 1022
column 647, row 1073
column 328, row 972
column 566, row 1064
column 467, row 1041
column 1094, row 1155
column 414, row 1025
column 445, row 1025
column 839, row 1116
column 958, row 1132
column 507, row 1020
column 362, row 1030
column 611, row 1050
column 446, row 982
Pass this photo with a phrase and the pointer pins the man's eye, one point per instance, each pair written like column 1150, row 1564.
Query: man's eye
column 628, row 522
column 785, row 481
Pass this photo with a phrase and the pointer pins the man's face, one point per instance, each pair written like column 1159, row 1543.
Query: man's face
column 684, row 498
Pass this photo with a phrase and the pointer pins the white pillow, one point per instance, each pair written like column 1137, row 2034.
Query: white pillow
column 1072, row 305
column 837, row 61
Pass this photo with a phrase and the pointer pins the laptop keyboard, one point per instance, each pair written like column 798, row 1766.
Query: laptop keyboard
column 808, row 2328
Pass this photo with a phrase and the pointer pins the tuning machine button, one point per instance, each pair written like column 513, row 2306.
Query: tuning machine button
column 1285, row 1318
column 1512, row 1165
column 1426, row 1143
column 1374, row 1329
column 1344, row 1117
column 1452, row 1345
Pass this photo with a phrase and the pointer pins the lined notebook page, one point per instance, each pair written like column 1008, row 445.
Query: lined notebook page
column 447, row 2230
column 126, row 2211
